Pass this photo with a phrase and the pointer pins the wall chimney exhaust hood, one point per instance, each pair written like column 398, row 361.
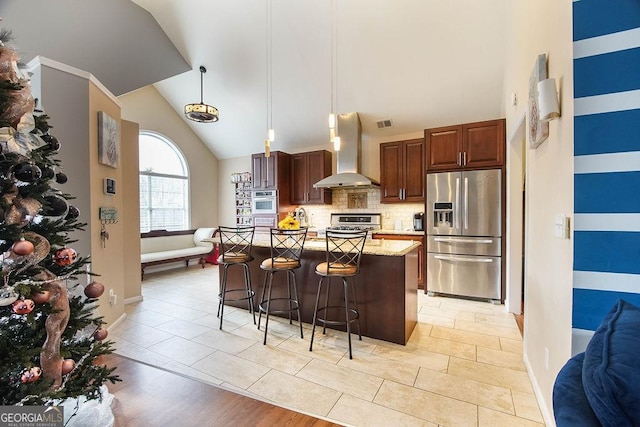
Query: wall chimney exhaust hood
column 348, row 160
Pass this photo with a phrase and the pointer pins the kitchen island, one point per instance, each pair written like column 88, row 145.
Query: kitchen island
column 387, row 285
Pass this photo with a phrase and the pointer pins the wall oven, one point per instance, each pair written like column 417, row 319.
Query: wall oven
column 264, row 202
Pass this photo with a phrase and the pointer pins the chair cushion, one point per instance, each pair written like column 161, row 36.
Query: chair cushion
column 279, row 263
column 611, row 369
column 338, row 269
column 570, row 404
column 233, row 257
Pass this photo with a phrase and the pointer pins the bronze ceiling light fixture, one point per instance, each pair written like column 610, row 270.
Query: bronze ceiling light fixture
column 201, row 112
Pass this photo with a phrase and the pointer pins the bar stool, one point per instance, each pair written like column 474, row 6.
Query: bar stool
column 343, row 254
column 286, row 249
column 235, row 249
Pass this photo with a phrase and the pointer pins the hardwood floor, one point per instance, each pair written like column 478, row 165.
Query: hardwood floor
column 148, row 396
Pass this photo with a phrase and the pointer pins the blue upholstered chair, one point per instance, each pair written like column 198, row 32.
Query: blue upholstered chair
column 601, row 387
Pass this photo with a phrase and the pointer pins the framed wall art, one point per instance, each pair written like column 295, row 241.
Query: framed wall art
column 538, row 130
column 108, row 140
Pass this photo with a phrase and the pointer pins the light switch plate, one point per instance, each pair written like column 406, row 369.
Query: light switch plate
column 561, row 227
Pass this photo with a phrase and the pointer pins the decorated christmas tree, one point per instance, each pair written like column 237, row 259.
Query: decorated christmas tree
column 49, row 335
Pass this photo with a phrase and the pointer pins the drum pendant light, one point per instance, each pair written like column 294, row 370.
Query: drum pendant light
column 201, row 112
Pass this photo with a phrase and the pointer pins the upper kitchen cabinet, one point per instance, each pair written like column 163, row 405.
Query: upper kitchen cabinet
column 270, row 173
column 402, row 171
column 478, row 145
column 307, row 169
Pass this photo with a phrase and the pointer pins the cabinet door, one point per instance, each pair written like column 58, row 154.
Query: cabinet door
column 444, row 148
column 298, row 185
column 318, row 167
column 257, row 171
column 391, row 174
column 264, row 171
column 421, row 251
column 270, row 165
column 484, row 144
column 414, row 170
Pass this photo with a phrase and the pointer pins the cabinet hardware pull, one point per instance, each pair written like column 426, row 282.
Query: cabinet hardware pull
column 464, row 259
column 466, row 203
column 455, row 240
column 464, row 158
column 459, row 163
column 456, row 220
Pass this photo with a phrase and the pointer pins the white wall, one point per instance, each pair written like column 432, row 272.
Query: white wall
column 533, row 28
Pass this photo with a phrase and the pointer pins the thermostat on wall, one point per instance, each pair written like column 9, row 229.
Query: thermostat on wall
column 109, row 186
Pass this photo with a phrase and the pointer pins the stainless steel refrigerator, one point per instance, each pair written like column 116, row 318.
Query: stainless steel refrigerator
column 464, row 233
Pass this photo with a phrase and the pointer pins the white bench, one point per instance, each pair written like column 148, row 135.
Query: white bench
column 166, row 249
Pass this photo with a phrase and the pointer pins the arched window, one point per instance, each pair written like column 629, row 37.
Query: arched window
column 164, row 185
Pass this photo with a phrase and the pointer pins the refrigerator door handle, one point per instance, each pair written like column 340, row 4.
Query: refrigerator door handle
column 463, row 259
column 466, row 203
column 457, row 240
column 456, row 211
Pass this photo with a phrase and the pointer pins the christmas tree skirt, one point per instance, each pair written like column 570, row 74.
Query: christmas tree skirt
column 96, row 412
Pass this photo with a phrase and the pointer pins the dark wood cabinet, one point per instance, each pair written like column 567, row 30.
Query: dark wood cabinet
column 307, row 169
column 477, row 145
column 267, row 172
column 272, row 173
column 402, row 171
column 422, row 250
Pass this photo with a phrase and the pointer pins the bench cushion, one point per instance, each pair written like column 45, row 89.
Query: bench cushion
column 175, row 253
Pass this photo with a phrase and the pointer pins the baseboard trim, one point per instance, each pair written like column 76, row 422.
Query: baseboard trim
column 117, row 321
column 547, row 414
column 133, row 299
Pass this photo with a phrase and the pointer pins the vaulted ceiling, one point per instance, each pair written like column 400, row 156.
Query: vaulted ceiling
column 419, row 63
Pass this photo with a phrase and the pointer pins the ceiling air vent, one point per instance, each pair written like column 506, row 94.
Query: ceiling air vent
column 384, row 124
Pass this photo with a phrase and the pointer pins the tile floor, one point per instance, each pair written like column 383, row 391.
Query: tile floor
column 462, row 366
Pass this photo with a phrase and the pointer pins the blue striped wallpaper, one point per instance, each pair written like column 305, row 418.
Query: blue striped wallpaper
column 606, row 65
column 607, row 132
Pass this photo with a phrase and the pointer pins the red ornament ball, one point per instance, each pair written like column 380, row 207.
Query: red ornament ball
column 100, row 334
column 31, row 375
column 22, row 247
column 67, row 366
column 23, row 306
column 65, row 256
column 41, row 297
column 94, row 289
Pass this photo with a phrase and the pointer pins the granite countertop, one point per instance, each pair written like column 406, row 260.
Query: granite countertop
column 371, row 247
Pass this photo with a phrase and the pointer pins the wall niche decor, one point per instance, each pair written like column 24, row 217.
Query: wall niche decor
column 108, row 140
column 538, row 130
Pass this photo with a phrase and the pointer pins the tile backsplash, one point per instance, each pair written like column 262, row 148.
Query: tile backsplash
column 320, row 215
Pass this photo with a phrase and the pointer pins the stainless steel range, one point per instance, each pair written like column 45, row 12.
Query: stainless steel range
column 354, row 221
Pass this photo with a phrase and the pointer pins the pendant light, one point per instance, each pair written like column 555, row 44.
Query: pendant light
column 270, row 130
column 201, row 112
column 333, row 137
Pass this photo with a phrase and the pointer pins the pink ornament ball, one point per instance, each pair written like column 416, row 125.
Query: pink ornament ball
column 65, row 256
column 67, row 366
column 94, row 290
column 23, row 306
column 41, row 297
column 100, row 334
